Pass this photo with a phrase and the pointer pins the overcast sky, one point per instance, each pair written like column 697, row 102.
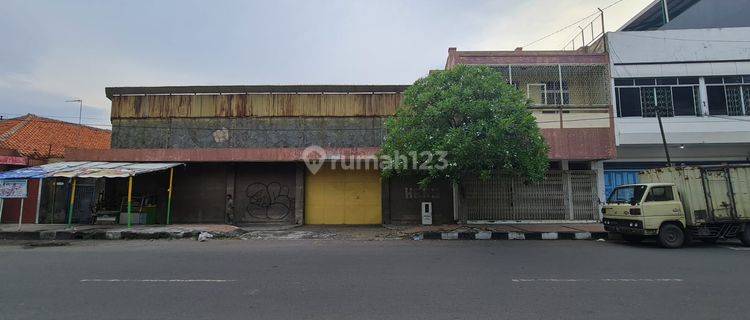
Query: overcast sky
column 57, row 50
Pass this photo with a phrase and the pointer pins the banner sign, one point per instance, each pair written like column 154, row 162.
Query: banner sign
column 17, row 161
column 13, row 189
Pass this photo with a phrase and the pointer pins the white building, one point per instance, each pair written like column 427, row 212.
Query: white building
column 691, row 63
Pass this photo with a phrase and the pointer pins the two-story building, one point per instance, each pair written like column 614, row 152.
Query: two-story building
column 249, row 142
column 570, row 97
column 688, row 61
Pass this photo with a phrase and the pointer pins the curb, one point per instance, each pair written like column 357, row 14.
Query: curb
column 486, row 235
column 103, row 235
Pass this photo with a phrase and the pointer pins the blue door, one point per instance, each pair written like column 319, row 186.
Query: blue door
column 614, row 178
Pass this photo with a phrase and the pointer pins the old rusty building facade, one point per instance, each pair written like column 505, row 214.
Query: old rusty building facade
column 247, row 141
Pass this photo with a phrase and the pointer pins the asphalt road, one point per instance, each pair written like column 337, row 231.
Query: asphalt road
column 330, row 279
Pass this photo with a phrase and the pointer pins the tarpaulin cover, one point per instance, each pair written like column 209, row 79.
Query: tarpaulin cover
column 86, row 170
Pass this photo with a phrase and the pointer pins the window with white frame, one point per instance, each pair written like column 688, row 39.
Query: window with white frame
column 549, row 93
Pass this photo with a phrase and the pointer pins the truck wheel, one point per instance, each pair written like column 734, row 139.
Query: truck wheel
column 745, row 236
column 632, row 238
column 671, row 236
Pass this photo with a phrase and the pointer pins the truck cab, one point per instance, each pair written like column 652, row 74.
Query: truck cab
column 646, row 210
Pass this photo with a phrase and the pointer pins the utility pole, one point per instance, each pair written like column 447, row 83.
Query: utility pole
column 80, row 114
column 663, row 138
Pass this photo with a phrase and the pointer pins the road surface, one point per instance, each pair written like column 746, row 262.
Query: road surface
column 331, row 279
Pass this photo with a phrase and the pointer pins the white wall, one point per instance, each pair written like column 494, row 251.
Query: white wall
column 690, row 152
column 702, row 52
column 682, row 130
column 689, row 45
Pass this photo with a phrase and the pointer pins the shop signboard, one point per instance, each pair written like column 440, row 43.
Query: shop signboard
column 13, row 189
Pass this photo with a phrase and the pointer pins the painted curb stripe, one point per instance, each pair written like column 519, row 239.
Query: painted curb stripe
column 486, row 235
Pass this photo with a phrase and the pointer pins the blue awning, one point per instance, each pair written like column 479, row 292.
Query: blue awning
column 83, row 169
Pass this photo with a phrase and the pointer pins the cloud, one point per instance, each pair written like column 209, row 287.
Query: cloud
column 77, row 48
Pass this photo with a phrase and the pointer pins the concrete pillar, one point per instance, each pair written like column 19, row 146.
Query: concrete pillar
column 704, row 95
column 385, row 200
column 598, row 167
column 299, row 195
column 613, row 94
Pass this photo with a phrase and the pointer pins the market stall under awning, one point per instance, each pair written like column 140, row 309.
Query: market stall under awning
column 80, row 169
column 86, row 170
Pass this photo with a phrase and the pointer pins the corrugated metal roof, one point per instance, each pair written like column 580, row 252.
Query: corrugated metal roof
column 115, row 91
column 86, row 170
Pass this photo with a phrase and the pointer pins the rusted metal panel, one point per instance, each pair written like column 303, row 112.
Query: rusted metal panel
column 256, row 105
column 130, row 106
column 237, row 105
column 179, row 106
column 117, row 105
column 156, row 106
column 284, row 106
column 260, row 105
column 221, row 103
column 208, row 105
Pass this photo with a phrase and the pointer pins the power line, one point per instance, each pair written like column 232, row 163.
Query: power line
column 46, row 116
column 570, row 25
column 576, row 33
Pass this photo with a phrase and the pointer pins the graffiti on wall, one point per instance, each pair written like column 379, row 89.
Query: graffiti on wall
column 268, row 201
column 419, row 193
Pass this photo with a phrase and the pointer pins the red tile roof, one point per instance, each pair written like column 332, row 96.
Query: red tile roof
column 42, row 138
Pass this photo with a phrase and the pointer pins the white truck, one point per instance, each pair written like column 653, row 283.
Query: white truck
column 678, row 204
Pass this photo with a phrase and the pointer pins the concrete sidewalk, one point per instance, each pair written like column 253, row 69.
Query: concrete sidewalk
column 114, row 232
column 315, row 232
column 444, row 232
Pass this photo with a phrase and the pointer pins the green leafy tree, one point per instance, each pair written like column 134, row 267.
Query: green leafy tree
column 470, row 112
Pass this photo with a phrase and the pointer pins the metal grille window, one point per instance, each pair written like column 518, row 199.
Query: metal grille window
column 643, row 97
column 728, row 95
column 555, row 93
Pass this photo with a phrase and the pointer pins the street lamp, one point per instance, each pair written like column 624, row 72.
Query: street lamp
column 80, row 113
